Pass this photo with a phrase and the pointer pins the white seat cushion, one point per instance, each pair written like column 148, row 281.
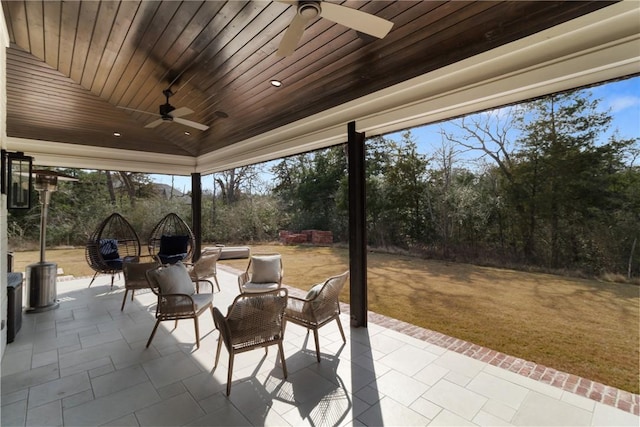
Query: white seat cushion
column 200, row 300
column 259, row 287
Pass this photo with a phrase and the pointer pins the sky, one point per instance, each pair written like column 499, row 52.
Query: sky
column 621, row 98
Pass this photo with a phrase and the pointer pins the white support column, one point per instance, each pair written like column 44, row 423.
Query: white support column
column 4, row 245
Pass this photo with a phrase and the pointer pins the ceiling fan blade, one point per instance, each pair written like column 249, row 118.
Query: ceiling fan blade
column 155, row 123
column 182, row 111
column 190, row 123
column 137, row 111
column 292, row 35
column 356, row 19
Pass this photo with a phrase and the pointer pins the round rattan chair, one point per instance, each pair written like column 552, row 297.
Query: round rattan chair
column 112, row 243
column 171, row 240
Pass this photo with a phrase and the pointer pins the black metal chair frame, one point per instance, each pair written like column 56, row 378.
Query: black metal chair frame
column 113, row 229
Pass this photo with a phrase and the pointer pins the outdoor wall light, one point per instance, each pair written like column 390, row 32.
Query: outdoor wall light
column 16, row 179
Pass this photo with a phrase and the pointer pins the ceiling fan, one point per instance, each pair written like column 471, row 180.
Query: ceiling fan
column 353, row 18
column 168, row 113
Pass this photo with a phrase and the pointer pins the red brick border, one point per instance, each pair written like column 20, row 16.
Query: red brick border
column 605, row 394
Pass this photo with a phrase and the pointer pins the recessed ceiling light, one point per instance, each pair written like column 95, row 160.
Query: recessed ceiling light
column 186, row 132
column 117, row 134
column 276, row 83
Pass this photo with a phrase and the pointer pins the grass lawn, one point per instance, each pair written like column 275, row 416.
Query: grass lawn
column 584, row 327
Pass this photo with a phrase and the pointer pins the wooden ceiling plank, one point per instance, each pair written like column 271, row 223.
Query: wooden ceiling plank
column 222, row 29
column 35, row 21
column 250, row 54
column 146, row 97
column 16, row 11
column 107, row 13
column 156, row 66
column 244, row 80
column 143, row 18
column 52, row 11
column 148, row 39
column 329, row 71
column 84, row 35
column 197, row 51
column 121, row 27
column 68, row 24
column 7, row 20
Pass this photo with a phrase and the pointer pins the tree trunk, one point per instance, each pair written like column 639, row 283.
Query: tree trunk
column 112, row 193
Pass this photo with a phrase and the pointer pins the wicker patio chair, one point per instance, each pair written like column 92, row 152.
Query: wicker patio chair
column 319, row 307
column 113, row 242
column 135, row 277
column 177, row 298
column 253, row 321
column 171, row 240
column 264, row 273
column 205, row 266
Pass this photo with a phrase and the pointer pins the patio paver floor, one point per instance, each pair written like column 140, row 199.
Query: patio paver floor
column 86, row 364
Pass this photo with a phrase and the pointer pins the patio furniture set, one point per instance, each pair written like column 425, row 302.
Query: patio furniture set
column 257, row 316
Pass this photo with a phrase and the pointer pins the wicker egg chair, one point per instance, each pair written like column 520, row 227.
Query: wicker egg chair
column 171, row 240
column 112, row 243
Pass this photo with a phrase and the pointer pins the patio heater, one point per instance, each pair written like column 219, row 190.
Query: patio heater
column 41, row 276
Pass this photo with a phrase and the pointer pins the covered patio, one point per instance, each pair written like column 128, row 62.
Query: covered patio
column 86, row 364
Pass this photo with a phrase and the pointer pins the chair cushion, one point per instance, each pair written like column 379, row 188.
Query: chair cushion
column 173, row 245
column 202, row 300
column 174, row 279
column 109, row 249
column 265, row 269
column 252, row 287
column 171, row 259
column 314, row 291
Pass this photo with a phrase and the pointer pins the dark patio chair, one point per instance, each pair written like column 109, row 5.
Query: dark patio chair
column 112, row 243
column 171, row 240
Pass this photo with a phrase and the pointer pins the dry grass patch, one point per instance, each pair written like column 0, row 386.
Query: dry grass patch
column 583, row 327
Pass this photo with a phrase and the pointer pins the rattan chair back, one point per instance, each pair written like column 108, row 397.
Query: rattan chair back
column 170, row 226
column 254, row 320
column 113, row 242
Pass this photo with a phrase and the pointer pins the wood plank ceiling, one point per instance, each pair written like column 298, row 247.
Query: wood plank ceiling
column 72, row 63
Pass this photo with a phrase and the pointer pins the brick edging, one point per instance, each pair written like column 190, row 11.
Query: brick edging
column 621, row 399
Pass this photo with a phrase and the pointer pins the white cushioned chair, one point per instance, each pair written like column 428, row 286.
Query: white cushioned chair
column 264, row 273
column 177, row 297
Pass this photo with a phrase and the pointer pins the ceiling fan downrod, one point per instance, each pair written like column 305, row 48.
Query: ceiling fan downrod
column 166, row 109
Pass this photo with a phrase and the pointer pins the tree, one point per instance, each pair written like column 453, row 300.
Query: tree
column 234, row 181
column 563, row 164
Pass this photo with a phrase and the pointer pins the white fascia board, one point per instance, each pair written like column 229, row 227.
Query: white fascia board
column 596, row 47
column 57, row 154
